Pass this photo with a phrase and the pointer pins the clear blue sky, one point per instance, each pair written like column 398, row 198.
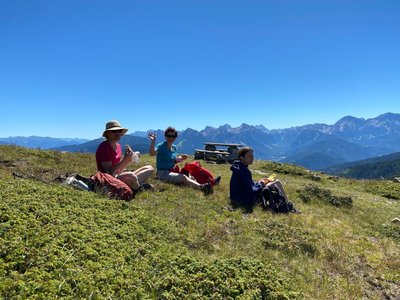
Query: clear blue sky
column 68, row 66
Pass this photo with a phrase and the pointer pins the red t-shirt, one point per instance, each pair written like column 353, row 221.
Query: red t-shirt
column 106, row 153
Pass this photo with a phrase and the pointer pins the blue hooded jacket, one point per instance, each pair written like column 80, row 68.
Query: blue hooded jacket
column 243, row 189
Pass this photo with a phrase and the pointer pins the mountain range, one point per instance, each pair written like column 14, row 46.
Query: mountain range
column 314, row 146
column 40, row 142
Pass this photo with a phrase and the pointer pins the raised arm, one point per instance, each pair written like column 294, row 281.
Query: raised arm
column 152, row 150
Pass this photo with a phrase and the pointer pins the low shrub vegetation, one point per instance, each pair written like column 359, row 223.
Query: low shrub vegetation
column 387, row 189
column 276, row 167
column 313, row 192
column 176, row 243
column 282, row 237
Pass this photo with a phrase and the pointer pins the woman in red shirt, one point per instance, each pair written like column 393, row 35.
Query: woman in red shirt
column 110, row 160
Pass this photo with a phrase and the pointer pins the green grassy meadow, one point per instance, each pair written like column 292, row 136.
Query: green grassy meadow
column 57, row 242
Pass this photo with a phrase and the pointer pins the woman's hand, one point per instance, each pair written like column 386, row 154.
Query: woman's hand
column 128, row 152
column 181, row 157
column 264, row 181
column 152, row 136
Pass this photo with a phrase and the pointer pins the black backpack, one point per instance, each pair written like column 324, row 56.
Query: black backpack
column 272, row 198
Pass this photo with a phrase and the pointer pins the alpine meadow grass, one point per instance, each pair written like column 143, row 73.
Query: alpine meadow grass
column 177, row 243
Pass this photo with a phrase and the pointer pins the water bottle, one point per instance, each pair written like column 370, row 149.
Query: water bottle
column 135, row 157
column 80, row 185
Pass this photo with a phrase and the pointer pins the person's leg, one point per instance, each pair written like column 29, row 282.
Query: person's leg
column 206, row 187
column 288, row 202
column 130, row 179
column 171, row 177
column 278, row 183
column 191, row 182
column 179, row 178
column 144, row 173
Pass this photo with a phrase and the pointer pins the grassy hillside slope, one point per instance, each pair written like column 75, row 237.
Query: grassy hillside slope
column 176, row 243
column 382, row 167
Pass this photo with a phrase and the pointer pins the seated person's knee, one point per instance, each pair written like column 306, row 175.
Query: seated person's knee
column 131, row 179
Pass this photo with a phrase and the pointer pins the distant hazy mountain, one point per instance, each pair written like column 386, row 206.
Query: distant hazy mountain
column 315, row 146
column 328, row 151
column 41, row 142
column 383, row 167
column 137, row 143
column 382, row 132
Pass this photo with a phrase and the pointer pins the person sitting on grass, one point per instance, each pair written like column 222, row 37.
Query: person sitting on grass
column 167, row 158
column 246, row 193
column 110, row 160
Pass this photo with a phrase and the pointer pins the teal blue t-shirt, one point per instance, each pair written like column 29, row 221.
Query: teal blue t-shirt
column 166, row 158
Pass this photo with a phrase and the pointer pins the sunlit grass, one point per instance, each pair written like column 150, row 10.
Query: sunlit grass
column 176, row 243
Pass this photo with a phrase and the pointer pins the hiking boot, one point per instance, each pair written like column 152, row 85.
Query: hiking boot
column 207, row 188
column 138, row 190
column 148, row 186
column 217, row 180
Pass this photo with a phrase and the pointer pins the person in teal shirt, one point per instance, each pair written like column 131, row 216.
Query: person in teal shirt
column 167, row 158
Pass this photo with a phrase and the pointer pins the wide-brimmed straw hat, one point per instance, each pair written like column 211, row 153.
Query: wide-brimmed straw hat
column 114, row 125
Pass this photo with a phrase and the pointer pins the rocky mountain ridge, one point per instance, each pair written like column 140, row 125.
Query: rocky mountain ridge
column 315, row 146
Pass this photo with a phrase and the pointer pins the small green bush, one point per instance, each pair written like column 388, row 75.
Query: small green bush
column 389, row 230
column 290, row 239
column 276, row 167
column 312, row 191
column 390, row 190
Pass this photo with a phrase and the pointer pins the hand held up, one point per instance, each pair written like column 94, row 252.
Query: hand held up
column 152, row 136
